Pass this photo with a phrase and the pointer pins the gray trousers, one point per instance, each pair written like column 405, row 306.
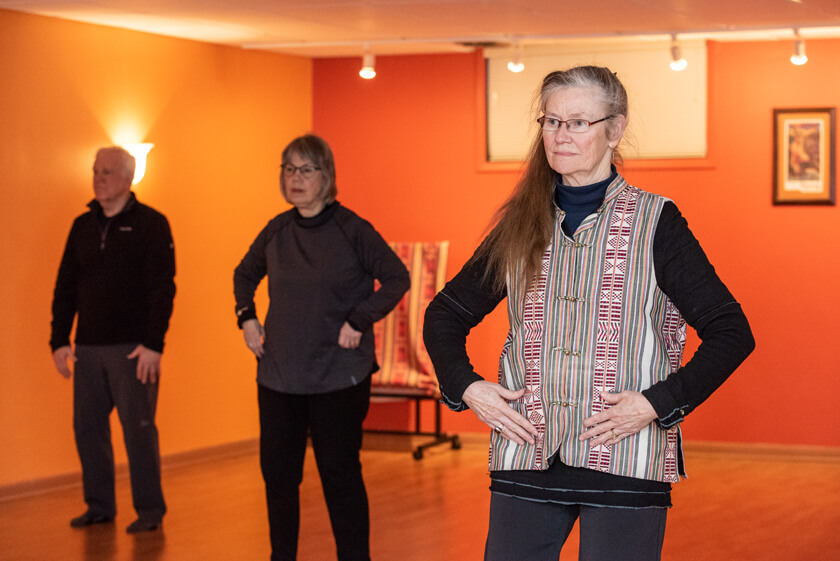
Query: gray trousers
column 105, row 378
column 528, row 530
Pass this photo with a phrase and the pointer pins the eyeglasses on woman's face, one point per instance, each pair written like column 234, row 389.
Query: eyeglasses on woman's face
column 550, row 124
column 306, row 170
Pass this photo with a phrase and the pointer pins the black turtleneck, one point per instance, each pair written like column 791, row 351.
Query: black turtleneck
column 580, row 202
column 321, row 271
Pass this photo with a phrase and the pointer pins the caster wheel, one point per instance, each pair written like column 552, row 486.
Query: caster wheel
column 418, row 454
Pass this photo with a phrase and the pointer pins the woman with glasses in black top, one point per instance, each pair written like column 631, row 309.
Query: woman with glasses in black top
column 315, row 353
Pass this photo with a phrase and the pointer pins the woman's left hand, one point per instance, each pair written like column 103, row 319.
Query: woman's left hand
column 348, row 337
column 630, row 413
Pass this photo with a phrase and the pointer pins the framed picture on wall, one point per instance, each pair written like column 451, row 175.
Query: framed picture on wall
column 803, row 156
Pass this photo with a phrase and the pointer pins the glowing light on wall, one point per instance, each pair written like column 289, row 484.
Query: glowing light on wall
column 139, row 151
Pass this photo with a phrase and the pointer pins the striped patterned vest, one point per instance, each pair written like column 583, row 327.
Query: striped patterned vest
column 593, row 320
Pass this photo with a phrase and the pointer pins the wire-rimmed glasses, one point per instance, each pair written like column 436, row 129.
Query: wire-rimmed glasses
column 550, row 124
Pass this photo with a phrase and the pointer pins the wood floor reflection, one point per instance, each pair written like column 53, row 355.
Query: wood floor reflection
column 744, row 507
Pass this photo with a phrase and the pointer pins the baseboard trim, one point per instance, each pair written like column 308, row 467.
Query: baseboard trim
column 23, row 489
column 771, row 452
column 169, row 461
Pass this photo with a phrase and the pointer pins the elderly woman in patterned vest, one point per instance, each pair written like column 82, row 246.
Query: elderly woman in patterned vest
column 601, row 279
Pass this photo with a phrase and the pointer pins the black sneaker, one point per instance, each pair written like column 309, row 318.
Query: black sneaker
column 89, row 519
column 141, row 525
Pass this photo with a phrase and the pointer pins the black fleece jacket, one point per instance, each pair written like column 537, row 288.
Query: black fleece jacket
column 117, row 274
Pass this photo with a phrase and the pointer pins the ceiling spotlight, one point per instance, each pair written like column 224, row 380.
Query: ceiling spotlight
column 677, row 61
column 368, row 71
column 798, row 57
column 516, row 64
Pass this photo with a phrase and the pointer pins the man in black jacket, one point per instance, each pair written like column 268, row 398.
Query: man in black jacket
column 117, row 274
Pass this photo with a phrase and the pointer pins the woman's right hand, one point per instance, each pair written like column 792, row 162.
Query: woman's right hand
column 254, row 334
column 489, row 401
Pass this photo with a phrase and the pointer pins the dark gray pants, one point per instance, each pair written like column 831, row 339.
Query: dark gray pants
column 105, row 378
column 523, row 530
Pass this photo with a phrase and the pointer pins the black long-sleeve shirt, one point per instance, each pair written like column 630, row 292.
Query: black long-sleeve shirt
column 321, row 273
column 117, row 273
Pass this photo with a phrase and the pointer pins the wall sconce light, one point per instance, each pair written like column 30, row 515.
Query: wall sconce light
column 677, row 61
column 798, row 57
column 139, row 151
column 516, row 64
column 368, row 71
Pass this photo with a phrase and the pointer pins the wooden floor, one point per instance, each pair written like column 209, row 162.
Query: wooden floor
column 736, row 506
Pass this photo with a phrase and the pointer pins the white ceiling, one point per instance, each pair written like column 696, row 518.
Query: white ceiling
column 327, row 28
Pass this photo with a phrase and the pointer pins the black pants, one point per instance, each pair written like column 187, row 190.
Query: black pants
column 105, row 378
column 334, row 422
column 523, row 530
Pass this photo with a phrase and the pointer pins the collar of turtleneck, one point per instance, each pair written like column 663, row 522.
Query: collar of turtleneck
column 321, row 218
column 579, row 202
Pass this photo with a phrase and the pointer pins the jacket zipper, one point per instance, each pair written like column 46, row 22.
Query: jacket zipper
column 103, row 233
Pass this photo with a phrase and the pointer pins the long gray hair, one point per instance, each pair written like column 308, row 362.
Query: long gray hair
column 524, row 224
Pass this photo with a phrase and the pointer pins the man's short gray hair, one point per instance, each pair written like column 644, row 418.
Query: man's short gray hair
column 127, row 161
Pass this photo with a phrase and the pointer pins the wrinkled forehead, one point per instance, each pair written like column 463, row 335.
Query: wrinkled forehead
column 574, row 100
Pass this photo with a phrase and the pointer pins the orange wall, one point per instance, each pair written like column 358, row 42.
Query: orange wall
column 219, row 118
column 407, row 148
column 408, row 153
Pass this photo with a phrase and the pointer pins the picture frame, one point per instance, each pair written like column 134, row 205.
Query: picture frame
column 803, row 156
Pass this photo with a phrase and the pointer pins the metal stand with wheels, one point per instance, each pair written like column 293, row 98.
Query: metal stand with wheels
column 438, row 436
